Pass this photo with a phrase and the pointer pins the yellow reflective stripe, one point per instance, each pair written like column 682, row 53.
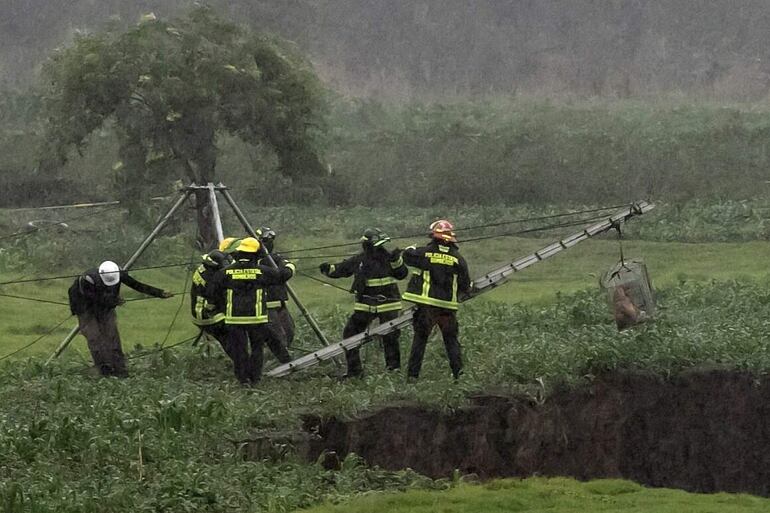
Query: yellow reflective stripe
column 291, row 266
column 274, row 304
column 380, row 282
column 229, row 311
column 426, row 283
column 398, row 263
column 200, row 303
column 425, row 300
column 454, row 288
column 258, row 306
column 259, row 319
column 332, row 268
column 386, row 307
column 211, row 320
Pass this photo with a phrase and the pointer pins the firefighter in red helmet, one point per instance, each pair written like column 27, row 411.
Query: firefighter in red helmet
column 439, row 275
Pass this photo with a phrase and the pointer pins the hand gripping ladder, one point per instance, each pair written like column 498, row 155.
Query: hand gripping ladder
column 483, row 284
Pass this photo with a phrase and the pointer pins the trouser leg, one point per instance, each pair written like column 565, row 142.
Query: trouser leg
column 287, row 321
column 356, row 324
column 422, row 323
column 258, row 335
column 390, row 343
column 237, row 343
column 103, row 341
column 219, row 332
column 90, row 328
column 447, row 322
column 276, row 336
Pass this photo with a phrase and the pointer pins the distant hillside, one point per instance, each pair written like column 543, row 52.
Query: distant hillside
column 426, row 48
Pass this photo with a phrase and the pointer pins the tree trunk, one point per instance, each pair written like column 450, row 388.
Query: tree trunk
column 201, row 172
column 206, row 238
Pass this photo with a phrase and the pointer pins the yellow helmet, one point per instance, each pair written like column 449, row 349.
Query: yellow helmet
column 229, row 244
column 248, row 245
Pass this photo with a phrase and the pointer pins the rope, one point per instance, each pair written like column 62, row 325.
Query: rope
column 67, row 221
column 63, row 277
column 319, row 257
column 61, row 303
column 181, row 303
column 41, row 337
column 324, row 282
column 474, row 227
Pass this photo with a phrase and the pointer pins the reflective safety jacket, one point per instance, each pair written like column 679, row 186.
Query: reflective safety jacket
column 239, row 290
column 376, row 279
column 204, row 309
column 277, row 295
column 439, row 272
column 89, row 294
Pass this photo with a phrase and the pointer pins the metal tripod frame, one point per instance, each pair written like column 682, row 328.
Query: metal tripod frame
column 184, row 195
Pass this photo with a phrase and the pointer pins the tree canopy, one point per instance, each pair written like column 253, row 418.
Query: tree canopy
column 170, row 87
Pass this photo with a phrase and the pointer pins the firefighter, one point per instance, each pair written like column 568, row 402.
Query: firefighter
column 93, row 297
column 376, row 271
column 439, row 275
column 280, row 323
column 205, row 313
column 239, row 290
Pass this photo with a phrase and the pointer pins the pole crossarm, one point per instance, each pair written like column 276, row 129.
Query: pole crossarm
column 483, row 284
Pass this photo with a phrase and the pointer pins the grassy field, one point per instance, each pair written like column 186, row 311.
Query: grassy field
column 553, row 495
column 167, row 438
column 147, row 322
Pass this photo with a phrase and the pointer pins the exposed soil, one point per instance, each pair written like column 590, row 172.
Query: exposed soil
column 705, row 431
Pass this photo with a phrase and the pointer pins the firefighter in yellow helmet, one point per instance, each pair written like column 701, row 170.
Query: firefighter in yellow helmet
column 439, row 274
column 239, row 290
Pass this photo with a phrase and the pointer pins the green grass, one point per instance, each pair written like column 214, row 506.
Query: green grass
column 146, row 322
column 556, row 495
column 70, row 442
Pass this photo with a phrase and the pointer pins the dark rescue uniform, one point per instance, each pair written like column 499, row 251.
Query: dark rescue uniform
column 280, row 320
column 439, row 275
column 205, row 313
column 94, row 304
column 377, row 297
column 239, row 291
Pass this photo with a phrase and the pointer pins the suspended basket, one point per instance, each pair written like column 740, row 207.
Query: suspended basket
column 629, row 292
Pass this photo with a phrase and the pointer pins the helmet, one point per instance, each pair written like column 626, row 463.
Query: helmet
column 248, row 245
column 229, row 244
column 443, row 230
column 109, row 272
column 266, row 233
column 375, row 237
column 267, row 238
column 215, row 259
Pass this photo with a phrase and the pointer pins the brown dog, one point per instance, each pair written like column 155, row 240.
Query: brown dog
column 626, row 312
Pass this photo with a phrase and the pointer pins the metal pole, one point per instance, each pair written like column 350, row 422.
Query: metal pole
column 313, row 324
column 154, row 233
column 215, row 212
column 64, row 343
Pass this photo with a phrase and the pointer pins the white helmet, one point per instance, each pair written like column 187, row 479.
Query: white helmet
column 109, row 272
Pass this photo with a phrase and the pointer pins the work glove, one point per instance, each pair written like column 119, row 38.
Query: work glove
column 166, row 294
column 395, row 254
column 325, row 268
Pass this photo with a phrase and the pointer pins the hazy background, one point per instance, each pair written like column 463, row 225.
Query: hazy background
column 446, row 48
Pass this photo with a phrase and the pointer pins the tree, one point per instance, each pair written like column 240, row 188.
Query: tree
column 168, row 89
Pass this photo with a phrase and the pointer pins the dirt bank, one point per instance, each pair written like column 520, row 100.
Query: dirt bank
column 700, row 431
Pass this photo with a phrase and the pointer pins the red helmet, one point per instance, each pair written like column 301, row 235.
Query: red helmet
column 443, row 230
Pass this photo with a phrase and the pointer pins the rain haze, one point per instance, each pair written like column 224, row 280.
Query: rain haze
column 384, row 255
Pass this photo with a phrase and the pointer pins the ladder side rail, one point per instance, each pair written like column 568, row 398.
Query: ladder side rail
column 487, row 282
